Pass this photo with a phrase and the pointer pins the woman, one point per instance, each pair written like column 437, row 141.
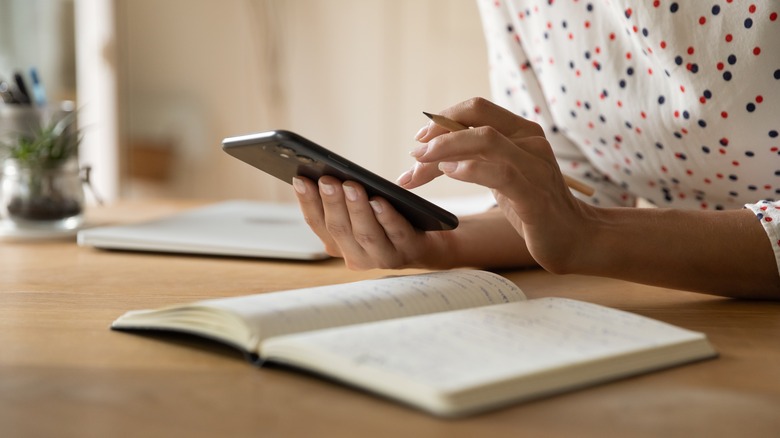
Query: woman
column 672, row 102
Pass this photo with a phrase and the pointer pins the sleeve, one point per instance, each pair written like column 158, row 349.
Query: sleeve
column 768, row 213
column 514, row 86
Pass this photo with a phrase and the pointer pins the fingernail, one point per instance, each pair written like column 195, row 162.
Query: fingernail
column 376, row 206
column 327, row 188
column 404, row 179
column 299, row 186
column 350, row 192
column 421, row 133
column 448, row 166
column 419, row 151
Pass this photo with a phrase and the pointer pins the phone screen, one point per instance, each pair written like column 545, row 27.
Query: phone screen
column 285, row 154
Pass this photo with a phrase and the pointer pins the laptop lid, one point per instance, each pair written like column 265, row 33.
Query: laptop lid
column 231, row 228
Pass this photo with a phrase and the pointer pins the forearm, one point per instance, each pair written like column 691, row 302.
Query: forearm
column 724, row 253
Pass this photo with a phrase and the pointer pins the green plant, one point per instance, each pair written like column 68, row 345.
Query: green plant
column 48, row 146
column 41, row 180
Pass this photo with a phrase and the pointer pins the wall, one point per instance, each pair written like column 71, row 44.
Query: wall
column 353, row 75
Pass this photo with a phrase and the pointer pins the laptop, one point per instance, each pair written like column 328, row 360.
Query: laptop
column 231, row 228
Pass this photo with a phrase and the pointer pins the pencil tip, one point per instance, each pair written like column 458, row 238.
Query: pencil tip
column 428, row 115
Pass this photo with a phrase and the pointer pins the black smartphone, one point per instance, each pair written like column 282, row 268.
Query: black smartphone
column 285, row 154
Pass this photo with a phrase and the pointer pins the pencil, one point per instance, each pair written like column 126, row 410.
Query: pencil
column 453, row 126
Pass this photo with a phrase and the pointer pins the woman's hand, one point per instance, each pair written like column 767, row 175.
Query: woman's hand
column 511, row 156
column 367, row 233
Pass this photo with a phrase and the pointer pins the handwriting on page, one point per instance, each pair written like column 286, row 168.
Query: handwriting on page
column 477, row 346
column 330, row 306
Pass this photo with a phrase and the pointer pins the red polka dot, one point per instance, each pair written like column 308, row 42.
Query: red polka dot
column 656, row 3
column 720, row 66
column 757, row 51
column 752, row 8
column 682, row 88
column 702, row 20
column 729, row 37
column 759, row 99
column 735, row 163
column 612, row 36
column 690, row 50
column 663, row 43
column 724, row 114
column 768, row 219
column 587, row 24
column 649, row 71
column 703, row 99
column 773, row 16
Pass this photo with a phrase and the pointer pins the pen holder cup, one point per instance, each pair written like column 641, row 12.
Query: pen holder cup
column 41, row 185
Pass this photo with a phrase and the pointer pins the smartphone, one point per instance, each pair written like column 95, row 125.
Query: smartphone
column 285, row 154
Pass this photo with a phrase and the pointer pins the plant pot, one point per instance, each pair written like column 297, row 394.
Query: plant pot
column 42, row 197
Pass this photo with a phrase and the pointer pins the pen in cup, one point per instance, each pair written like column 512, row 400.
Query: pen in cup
column 23, row 96
column 453, row 126
column 37, row 88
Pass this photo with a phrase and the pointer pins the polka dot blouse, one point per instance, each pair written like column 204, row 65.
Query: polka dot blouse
column 676, row 102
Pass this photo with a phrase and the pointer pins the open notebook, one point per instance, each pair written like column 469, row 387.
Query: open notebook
column 232, row 228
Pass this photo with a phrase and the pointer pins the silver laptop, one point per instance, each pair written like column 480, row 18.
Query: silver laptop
column 232, row 228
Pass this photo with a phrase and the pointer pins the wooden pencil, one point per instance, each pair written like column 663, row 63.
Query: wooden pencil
column 453, row 126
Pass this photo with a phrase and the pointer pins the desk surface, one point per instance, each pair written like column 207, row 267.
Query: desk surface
column 64, row 373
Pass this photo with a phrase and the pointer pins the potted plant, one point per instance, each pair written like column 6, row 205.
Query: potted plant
column 41, row 182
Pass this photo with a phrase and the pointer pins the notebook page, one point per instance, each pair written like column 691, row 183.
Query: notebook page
column 460, row 350
column 300, row 310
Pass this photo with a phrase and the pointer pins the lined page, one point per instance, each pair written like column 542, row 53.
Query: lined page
column 300, row 310
column 471, row 348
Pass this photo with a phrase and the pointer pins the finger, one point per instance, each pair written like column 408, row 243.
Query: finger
column 337, row 220
column 429, row 132
column 484, row 142
column 499, row 176
column 397, row 229
column 420, row 174
column 481, row 112
column 307, row 193
column 515, row 176
column 366, row 230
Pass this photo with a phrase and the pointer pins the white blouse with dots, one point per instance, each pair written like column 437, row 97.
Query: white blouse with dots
column 674, row 102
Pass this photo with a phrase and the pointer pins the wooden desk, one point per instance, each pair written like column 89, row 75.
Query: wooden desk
column 63, row 373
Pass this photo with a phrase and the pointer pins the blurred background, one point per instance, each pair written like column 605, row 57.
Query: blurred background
column 159, row 84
